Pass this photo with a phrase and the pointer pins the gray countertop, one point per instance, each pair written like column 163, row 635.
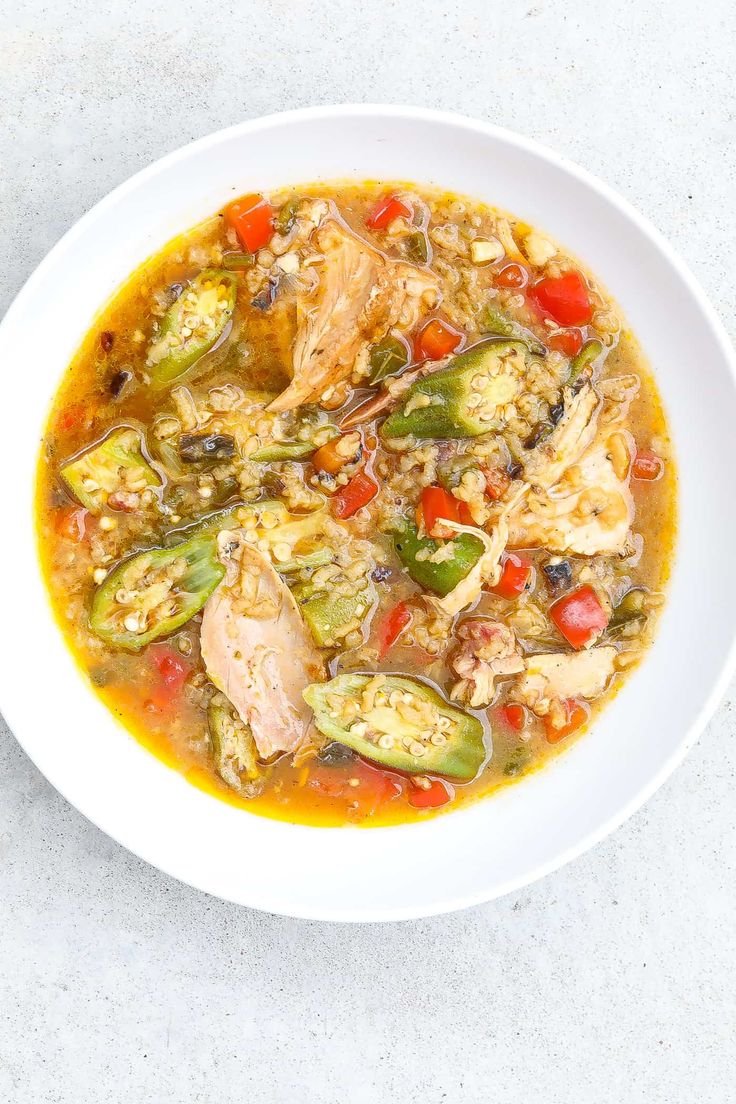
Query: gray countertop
column 610, row 981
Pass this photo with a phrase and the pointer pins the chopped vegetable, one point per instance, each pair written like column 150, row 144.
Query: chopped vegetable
column 462, row 399
column 235, row 262
column 355, row 494
column 514, row 715
column 498, row 482
column 287, row 215
column 515, row 575
column 494, row 321
column 568, row 342
column 252, row 220
column 400, row 723
column 579, row 616
column 436, row 340
column 155, row 592
column 391, row 627
column 454, row 559
column 576, row 715
column 437, row 504
column 386, row 210
column 328, row 610
column 511, row 276
column 342, row 450
column 233, row 746
column 431, row 797
column 589, row 353
column 71, row 523
column 416, row 247
column 387, row 358
column 194, row 323
column 647, row 466
column 108, row 474
column 564, row 298
column 558, row 575
column 631, row 609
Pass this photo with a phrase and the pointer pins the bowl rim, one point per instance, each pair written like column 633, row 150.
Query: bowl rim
column 719, row 679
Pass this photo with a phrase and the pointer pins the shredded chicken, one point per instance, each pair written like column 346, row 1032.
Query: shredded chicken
column 256, row 648
column 555, row 677
column 360, row 296
column 567, row 441
column 489, row 650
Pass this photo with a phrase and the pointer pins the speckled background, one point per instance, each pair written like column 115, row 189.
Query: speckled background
column 609, row 982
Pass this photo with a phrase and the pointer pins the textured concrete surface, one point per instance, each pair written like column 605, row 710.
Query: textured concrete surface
column 609, row 982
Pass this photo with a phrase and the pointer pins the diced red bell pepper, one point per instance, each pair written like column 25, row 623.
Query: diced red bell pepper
column 387, row 209
column 515, row 572
column 564, row 298
column 498, row 482
column 72, row 523
column 363, row 786
column 173, row 671
column 71, row 417
column 358, row 492
column 511, row 276
column 514, row 715
column 647, row 465
column 437, row 794
column 567, row 342
column 436, row 340
column 579, row 616
column 391, row 627
column 437, row 504
column 252, row 220
column 576, row 716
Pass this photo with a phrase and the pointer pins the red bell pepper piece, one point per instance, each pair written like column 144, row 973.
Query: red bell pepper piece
column 252, row 220
column 515, row 572
column 436, row 340
column 392, row 626
column 567, row 342
column 647, row 465
column 358, row 492
column 564, row 298
column 576, row 716
column 579, row 616
column 437, row 794
column 514, row 715
column 387, row 209
column 511, row 276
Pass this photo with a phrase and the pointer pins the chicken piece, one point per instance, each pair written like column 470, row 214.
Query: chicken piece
column 589, row 510
column 256, row 648
column 567, row 441
column 489, row 650
column 360, row 296
column 487, row 571
column 554, row 677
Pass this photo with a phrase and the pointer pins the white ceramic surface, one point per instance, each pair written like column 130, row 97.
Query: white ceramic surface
column 534, row 826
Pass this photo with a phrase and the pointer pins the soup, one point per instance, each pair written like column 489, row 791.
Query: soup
column 357, row 502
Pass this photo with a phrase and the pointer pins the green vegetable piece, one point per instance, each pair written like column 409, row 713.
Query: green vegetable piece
column 416, row 247
column 325, row 612
column 210, row 300
column 461, row 399
column 589, row 353
column 494, row 321
column 287, row 215
column 153, row 593
column 114, row 466
column 631, row 609
column 381, row 732
column 302, row 446
column 237, row 260
column 233, row 746
column 443, row 577
column 387, row 358
column 320, row 558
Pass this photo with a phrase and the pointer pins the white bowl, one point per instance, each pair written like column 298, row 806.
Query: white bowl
column 529, row 829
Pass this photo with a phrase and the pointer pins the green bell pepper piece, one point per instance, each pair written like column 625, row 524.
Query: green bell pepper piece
column 461, row 399
column 441, row 578
column 297, row 449
column 448, row 742
column 210, row 299
column 416, row 247
column 116, row 464
column 153, row 593
column 233, row 746
column 494, row 321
